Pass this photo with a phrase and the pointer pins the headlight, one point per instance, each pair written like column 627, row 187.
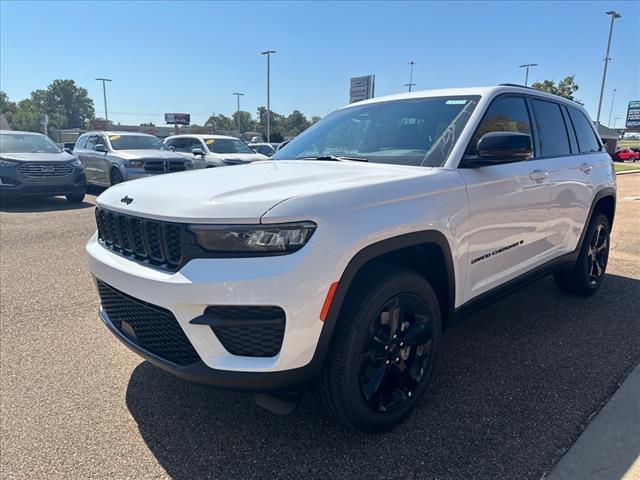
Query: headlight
column 135, row 163
column 281, row 238
column 76, row 163
column 7, row 163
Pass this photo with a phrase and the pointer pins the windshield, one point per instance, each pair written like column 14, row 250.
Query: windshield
column 136, row 142
column 17, row 143
column 227, row 145
column 418, row 132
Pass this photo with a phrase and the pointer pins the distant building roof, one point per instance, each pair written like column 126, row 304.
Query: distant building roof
column 606, row 132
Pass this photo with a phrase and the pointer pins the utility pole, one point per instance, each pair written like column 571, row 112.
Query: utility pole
column 238, row 95
column 104, row 94
column 268, row 54
column 526, row 72
column 45, row 124
column 613, row 14
column 410, row 84
column 613, row 99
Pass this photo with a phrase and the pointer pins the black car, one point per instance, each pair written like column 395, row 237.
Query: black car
column 32, row 165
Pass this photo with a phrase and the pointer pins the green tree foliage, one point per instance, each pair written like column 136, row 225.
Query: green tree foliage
column 220, row 122
column 566, row 87
column 66, row 104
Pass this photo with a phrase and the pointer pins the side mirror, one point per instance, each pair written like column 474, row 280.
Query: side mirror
column 501, row 147
column 197, row 151
column 171, row 147
column 100, row 148
column 67, row 149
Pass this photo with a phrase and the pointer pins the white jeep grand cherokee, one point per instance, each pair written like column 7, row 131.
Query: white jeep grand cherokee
column 337, row 264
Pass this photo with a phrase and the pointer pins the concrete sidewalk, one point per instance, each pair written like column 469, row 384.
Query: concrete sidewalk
column 609, row 448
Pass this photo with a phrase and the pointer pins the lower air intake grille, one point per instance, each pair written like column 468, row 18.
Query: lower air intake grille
column 248, row 331
column 153, row 328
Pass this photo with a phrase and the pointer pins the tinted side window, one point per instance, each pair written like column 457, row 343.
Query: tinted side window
column 507, row 114
column 91, row 142
column 587, row 140
column 180, row 144
column 554, row 141
column 195, row 143
column 80, row 143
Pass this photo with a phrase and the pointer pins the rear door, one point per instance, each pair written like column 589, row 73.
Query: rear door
column 88, row 158
column 102, row 162
column 574, row 154
column 508, row 205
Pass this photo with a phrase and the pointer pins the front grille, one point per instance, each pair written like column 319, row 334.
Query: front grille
column 248, row 331
column 142, row 239
column 164, row 166
column 45, row 169
column 153, row 328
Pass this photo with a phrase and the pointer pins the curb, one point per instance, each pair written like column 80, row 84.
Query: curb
column 628, row 172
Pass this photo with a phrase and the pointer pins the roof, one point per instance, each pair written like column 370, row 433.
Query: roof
column 467, row 91
column 203, row 136
column 21, row 133
column 115, row 132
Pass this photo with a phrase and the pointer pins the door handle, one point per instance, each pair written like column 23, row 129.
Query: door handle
column 539, row 175
column 586, row 168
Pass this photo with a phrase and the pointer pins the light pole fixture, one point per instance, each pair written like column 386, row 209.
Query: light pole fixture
column 613, row 14
column 238, row 95
column 613, row 99
column 104, row 95
column 268, row 54
column 526, row 71
column 410, row 84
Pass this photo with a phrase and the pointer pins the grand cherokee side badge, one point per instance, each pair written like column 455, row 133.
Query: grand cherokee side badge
column 126, row 199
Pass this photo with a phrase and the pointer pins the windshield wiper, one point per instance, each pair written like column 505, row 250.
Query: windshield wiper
column 336, row 158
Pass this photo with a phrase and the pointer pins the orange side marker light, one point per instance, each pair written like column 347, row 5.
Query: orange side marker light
column 327, row 301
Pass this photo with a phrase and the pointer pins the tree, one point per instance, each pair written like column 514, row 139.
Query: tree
column 315, row 119
column 295, row 123
column 6, row 106
column 27, row 117
column 220, row 122
column 246, row 123
column 147, row 124
column 565, row 88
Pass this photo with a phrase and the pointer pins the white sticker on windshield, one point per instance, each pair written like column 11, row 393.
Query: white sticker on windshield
column 456, row 102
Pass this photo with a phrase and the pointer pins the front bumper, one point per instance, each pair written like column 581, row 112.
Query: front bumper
column 297, row 283
column 14, row 184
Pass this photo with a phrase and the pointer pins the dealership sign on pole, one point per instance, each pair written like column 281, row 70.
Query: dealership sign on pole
column 361, row 88
column 633, row 117
column 177, row 118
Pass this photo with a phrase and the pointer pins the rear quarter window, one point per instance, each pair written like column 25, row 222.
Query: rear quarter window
column 587, row 140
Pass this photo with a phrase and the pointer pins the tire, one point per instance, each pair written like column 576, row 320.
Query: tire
column 587, row 273
column 116, row 177
column 75, row 197
column 372, row 380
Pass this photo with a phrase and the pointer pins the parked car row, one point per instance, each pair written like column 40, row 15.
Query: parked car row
column 33, row 165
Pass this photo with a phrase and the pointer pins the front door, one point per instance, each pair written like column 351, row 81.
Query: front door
column 508, row 206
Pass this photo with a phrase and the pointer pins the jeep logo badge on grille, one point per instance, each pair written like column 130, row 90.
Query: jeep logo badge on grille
column 126, row 199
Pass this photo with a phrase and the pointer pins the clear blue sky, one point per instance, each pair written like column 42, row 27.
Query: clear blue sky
column 190, row 57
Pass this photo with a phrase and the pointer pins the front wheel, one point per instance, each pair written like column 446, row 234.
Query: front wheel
column 116, row 177
column 384, row 351
column 586, row 275
column 75, row 197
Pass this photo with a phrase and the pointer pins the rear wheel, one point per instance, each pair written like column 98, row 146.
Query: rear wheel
column 384, row 351
column 586, row 275
column 75, row 197
column 116, row 177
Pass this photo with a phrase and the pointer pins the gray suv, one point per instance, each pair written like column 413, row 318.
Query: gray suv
column 114, row 157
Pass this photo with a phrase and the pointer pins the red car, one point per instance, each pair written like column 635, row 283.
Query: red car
column 626, row 154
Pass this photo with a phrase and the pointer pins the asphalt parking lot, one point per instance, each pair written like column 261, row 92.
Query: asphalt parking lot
column 516, row 384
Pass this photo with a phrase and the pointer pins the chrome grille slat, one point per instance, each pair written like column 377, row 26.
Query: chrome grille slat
column 45, row 169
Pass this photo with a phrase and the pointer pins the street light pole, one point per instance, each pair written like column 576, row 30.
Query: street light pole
column 238, row 95
column 268, row 54
column 104, row 94
column 526, row 72
column 613, row 14
column 410, row 84
column 613, row 99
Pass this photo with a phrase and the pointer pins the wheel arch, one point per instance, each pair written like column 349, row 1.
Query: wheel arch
column 431, row 246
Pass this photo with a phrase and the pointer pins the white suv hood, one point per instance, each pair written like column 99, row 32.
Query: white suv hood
column 244, row 193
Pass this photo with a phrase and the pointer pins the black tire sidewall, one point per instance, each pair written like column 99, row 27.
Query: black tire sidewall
column 115, row 172
column 357, row 410
column 583, row 265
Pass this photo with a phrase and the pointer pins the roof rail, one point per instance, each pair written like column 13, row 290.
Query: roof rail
column 515, row 85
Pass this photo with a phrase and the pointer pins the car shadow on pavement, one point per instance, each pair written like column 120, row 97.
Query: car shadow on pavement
column 515, row 386
column 31, row 205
